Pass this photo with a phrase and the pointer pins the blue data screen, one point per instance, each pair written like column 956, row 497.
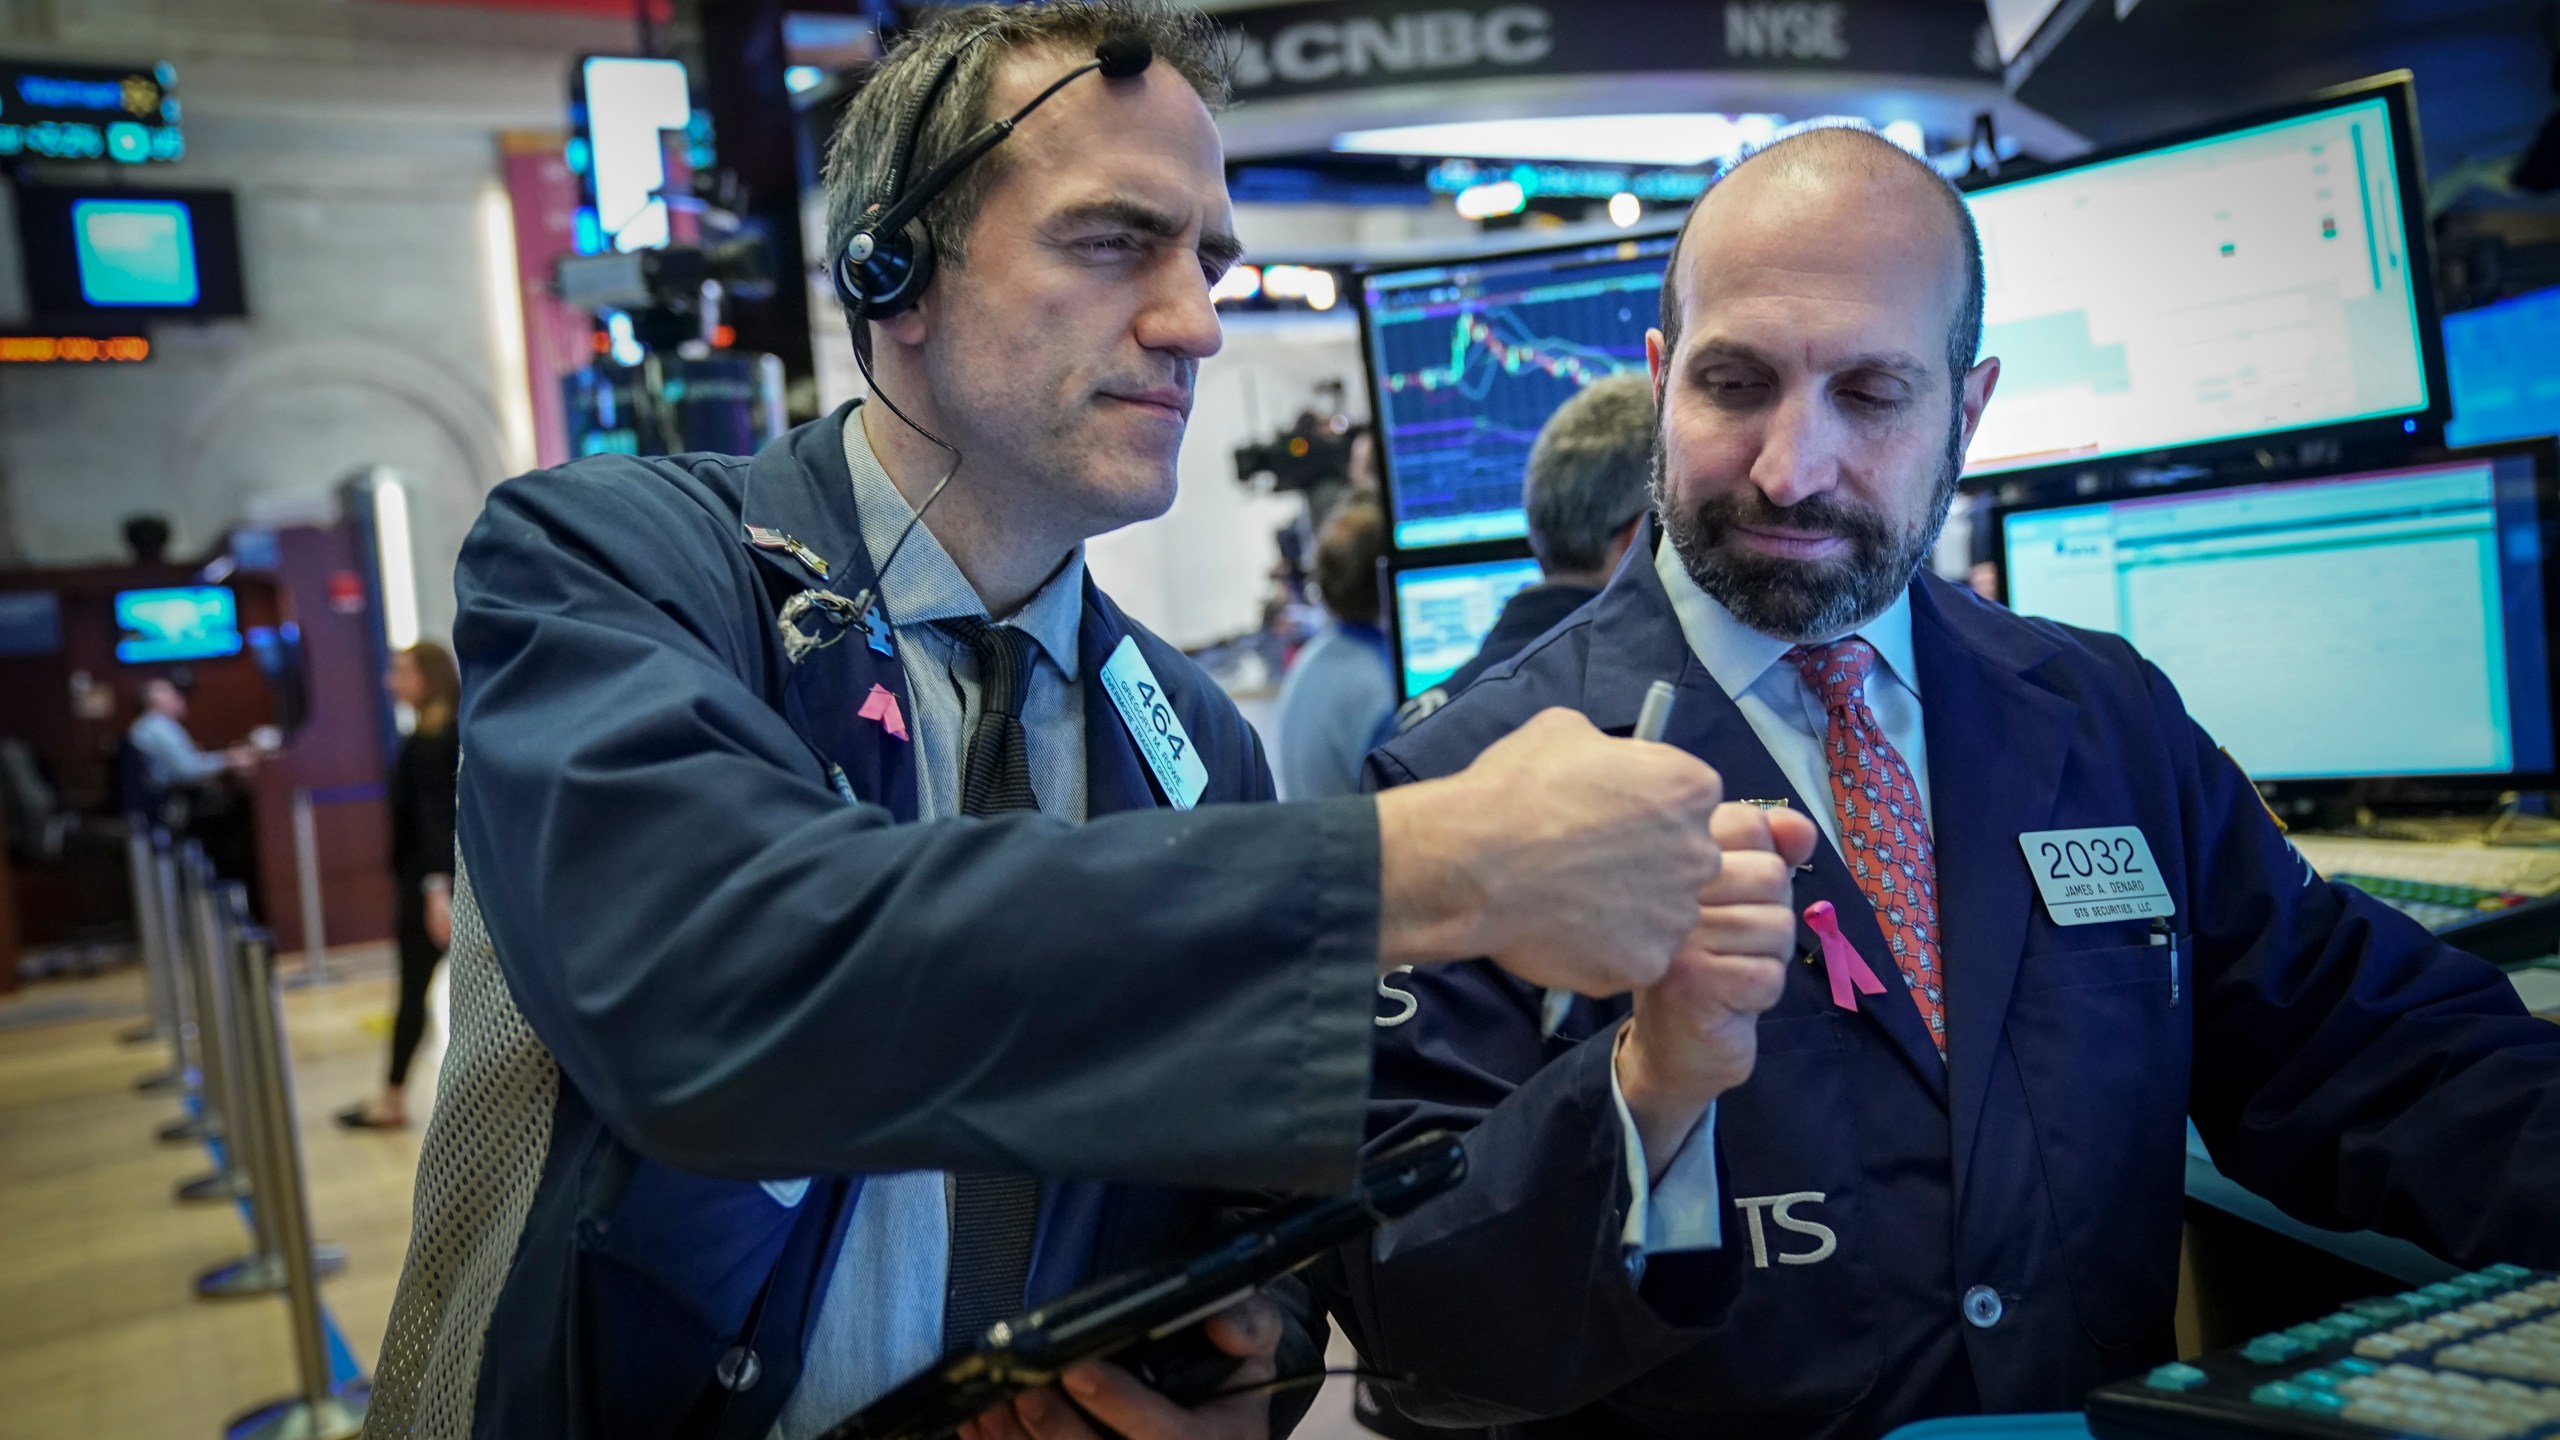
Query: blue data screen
column 1444, row 612
column 2504, row 360
column 1468, row 361
column 135, row 252
column 2375, row 625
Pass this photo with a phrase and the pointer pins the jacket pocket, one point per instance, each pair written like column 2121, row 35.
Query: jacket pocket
column 2103, row 1054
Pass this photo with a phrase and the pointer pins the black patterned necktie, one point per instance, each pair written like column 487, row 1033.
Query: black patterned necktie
column 994, row 1218
column 995, row 769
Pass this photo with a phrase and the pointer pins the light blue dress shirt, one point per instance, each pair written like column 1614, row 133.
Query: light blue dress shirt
column 1680, row 1213
column 170, row 753
column 880, row 1319
column 1335, row 700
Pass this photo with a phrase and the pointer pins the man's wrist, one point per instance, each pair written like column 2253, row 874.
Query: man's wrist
column 1665, row 1108
column 437, row 885
column 1431, row 897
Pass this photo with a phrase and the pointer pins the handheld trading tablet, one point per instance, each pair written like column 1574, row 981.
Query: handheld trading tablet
column 2476, row 1357
column 1148, row 1318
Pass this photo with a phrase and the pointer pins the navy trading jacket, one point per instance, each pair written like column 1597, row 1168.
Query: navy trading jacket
column 1905, row 1237
column 704, row 979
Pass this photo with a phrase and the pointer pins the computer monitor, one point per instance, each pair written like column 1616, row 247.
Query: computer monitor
column 112, row 252
column 1443, row 613
column 2264, row 277
column 194, row 622
column 2392, row 624
column 2504, row 360
column 1468, row 359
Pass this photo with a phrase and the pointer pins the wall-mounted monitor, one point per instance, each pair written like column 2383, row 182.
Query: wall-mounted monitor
column 1443, row 613
column 2390, row 624
column 1468, row 359
column 96, row 253
column 2505, row 363
column 193, row 622
column 2259, row 278
column 30, row 622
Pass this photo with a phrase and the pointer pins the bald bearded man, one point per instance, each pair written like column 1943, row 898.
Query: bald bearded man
column 1938, row 1167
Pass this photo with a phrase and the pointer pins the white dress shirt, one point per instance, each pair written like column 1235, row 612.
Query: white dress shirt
column 1681, row 1212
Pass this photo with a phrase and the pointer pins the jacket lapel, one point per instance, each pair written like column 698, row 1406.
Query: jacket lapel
column 1116, row 775
column 1997, row 744
column 801, row 525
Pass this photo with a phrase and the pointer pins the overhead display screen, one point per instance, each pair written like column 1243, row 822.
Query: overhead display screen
column 2246, row 284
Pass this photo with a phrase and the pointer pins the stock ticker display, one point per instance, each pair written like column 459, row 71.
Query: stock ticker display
column 1468, row 361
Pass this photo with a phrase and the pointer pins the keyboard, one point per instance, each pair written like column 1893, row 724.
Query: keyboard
column 2476, row 1357
column 2437, row 885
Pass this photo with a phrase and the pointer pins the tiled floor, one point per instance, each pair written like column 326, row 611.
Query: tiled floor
column 100, row 1331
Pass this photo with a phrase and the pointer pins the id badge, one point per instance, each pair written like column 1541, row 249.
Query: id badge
column 2096, row 875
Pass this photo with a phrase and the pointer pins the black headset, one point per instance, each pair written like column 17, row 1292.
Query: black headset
column 886, row 265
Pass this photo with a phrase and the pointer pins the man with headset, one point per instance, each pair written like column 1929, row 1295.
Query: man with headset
column 773, row 907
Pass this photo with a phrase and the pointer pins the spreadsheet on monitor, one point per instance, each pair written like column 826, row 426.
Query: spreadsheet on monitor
column 2386, row 624
column 2253, row 282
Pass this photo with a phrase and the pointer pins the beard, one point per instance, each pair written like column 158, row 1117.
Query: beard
column 1806, row 601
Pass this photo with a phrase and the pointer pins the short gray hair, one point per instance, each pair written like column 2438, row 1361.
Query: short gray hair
column 1589, row 470
column 982, row 36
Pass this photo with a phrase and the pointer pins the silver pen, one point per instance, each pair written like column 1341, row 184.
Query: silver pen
column 1655, row 716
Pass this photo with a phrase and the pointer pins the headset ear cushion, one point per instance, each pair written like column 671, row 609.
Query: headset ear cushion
column 892, row 278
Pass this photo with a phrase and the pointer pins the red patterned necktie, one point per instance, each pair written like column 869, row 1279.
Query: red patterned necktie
column 1883, row 834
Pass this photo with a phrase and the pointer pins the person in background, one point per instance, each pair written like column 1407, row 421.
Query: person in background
column 183, row 785
column 1342, row 688
column 1585, row 495
column 175, row 761
column 423, row 677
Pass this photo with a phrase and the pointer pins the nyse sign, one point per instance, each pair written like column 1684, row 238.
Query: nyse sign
column 1786, row 32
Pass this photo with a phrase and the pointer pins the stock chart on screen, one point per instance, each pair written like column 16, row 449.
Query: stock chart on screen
column 1468, row 361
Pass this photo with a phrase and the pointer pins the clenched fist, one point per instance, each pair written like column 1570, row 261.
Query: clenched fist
column 1695, row 1032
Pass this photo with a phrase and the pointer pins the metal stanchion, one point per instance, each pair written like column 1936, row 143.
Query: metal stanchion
column 321, row 1411
column 200, row 1122
column 162, row 1024
column 306, row 864
column 234, row 1010
column 193, row 927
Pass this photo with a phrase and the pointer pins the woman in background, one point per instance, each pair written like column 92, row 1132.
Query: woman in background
column 423, row 678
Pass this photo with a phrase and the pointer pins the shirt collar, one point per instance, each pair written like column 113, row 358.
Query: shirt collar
column 926, row 584
column 1737, row 655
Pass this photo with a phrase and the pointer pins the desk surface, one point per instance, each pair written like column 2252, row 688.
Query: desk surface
column 1997, row 1427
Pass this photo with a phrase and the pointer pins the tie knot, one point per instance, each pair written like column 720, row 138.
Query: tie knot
column 1836, row 672
column 1004, row 657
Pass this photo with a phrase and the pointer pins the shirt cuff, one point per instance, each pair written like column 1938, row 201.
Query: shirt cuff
column 1684, row 1211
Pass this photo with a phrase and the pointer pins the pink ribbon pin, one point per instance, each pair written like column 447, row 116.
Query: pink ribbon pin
column 1848, row 969
column 882, row 706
